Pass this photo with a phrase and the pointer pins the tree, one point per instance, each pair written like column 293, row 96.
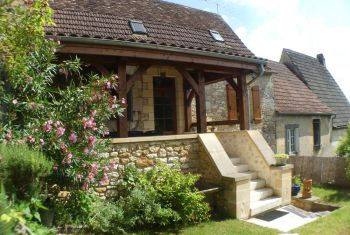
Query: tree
column 64, row 121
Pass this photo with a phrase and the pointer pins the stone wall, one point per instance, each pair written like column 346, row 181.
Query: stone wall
column 144, row 152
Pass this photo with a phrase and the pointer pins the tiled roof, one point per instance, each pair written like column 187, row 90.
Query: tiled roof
column 167, row 24
column 292, row 95
column 320, row 81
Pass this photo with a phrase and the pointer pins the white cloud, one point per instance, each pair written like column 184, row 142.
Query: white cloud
column 283, row 26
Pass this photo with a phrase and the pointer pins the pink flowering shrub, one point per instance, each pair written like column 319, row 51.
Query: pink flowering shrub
column 66, row 122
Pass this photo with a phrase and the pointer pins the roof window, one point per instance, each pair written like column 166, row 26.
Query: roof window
column 137, row 27
column 217, row 36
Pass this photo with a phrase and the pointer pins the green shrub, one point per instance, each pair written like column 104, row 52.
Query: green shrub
column 281, row 155
column 343, row 150
column 75, row 209
column 162, row 196
column 23, row 170
column 105, row 218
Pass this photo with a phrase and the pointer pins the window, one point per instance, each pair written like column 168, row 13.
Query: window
column 216, row 35
column 317, row 133
column 137, row 27
column 292, row 139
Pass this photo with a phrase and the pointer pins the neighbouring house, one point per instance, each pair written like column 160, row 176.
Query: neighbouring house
column 302, row 115
column 314, row 73
column 165, row 56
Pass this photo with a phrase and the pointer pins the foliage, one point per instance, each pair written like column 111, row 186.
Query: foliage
column 105, row 217
column 297, row 180
column 76, row 208
column 22, row 218
column 343, row 149
column 23, row 170
column 282, row 156
column 162, row 196
column 48, row 103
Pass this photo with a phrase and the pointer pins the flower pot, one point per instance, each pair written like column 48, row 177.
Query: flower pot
column 295, row 190
column 47, row 217
column 281, row 161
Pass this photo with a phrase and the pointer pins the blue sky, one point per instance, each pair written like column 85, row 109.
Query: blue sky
column 310, row 27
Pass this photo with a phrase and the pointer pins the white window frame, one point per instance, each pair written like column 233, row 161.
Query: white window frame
column 292, row 139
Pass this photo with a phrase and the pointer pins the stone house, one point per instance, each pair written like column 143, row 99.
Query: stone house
column 296, row 105
column 165, row 56
column 314, row 73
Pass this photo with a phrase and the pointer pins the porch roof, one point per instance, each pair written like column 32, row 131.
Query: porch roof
column 167, row 24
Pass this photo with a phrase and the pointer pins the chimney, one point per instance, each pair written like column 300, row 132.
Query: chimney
column 321, row 59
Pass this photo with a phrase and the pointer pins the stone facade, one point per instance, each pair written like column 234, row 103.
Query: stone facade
column 145, row 152
column 273, row 125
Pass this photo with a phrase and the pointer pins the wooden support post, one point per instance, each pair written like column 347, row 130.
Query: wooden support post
column 200, row 104
column 242, row 104
column 189, row 95
column 122, row 94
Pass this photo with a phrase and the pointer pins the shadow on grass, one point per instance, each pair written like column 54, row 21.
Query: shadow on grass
column 338, row 195
column 179, row 229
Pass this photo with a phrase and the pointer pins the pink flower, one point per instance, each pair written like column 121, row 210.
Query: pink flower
column 105, row 132
column 42, row 142
column 93, row 113
column 8, row 136
column 79, row 176
column 89, row 123
column 85, row 185
column 60, row 131
column 86, row 150
column 104, row 179
column 29, row 79
column 112, row 165
column 15, row 101
column 108, row 84
column 92, row 141
column 63, row 147
column 73, row 138
column 48, row 126
column 31, row 139
column 68, row 159
column 123, row 101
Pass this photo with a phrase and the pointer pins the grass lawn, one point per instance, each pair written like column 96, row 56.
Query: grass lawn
column 338, row 222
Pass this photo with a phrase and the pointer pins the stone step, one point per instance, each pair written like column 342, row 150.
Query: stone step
column 257, row 183
column 252, row 174
column 259, row 194
column 263, row 205
column 235, row 160
column 241, row 168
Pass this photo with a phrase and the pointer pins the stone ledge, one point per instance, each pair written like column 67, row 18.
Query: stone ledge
column 282, row 168
column 236, row 177
column 152, row 138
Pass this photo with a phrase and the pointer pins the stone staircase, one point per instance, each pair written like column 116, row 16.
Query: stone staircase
column 261, row 196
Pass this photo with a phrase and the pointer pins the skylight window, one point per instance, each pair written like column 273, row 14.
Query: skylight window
column 137, row 27
column 217, row 36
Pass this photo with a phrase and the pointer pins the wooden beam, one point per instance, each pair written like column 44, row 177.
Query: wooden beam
column 220, row 123
column 200, row 104
column 131, row 52
column 242, row 105
column 101, row 68
column 232, row 83
column 187, row 76
column 136, row 76
column 123, row 128
column 188, row 108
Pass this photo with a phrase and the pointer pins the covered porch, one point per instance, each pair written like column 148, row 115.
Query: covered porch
column 165, row 90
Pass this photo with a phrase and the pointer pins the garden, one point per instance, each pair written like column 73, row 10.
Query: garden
column 52, row 133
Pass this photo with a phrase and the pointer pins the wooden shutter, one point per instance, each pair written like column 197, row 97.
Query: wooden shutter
column 231, row 103
column 256, row 103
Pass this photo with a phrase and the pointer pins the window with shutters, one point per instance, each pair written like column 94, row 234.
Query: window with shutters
column 256, row 104
column 231, row 103
column 317, row 133
column 292, row 139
